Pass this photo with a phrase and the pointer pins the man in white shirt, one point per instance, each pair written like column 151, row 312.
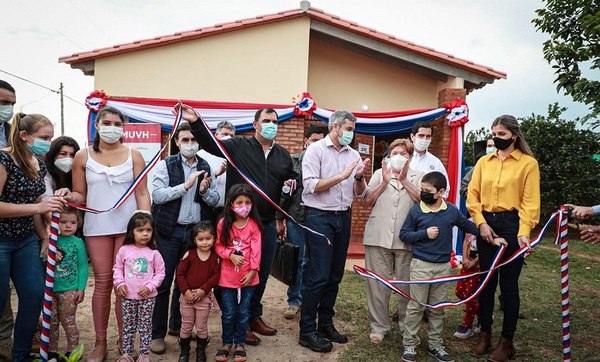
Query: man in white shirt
column 218, row 165
column 422, row 160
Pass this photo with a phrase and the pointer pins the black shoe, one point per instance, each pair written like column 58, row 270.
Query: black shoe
column 315, row 342
column 332, row 334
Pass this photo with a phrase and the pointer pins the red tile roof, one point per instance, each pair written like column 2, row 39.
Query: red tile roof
column 312, row 13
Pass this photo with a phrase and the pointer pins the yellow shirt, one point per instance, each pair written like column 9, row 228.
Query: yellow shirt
column 512, row 184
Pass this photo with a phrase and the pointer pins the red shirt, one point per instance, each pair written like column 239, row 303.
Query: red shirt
column 194, row 273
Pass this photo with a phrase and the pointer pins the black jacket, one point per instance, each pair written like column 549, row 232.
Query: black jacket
column 248, row 155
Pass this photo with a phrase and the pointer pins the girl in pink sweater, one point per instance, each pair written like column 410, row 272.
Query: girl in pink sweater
column 138, row 271
column 239, row 245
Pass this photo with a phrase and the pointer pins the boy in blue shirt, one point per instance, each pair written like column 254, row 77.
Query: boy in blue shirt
column 428, row 227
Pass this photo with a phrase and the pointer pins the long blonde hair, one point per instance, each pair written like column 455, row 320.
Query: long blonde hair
column 29, row 123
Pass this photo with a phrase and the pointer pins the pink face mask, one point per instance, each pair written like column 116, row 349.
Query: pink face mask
column 242, row 211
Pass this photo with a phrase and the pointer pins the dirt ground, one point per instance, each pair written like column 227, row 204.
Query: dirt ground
column 279, row 348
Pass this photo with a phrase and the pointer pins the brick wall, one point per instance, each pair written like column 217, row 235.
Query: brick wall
column 440, row 145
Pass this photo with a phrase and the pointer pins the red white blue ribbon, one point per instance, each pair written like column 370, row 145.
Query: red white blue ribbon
column 49, row 287
column 562, row 237
column 252, row 183
column 391, row 283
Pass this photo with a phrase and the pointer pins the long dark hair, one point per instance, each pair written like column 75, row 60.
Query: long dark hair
column 236, row 191
column 139, row 218
column 59, row 178
column 202, row 226
column 511, row 124
column 103, row 110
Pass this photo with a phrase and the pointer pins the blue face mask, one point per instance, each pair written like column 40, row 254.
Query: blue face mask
column 40, row 147
column 346, row 138
column 269, row 130
column 489, row 150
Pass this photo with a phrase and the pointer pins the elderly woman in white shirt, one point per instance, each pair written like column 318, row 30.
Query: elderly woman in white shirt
column 392, row 191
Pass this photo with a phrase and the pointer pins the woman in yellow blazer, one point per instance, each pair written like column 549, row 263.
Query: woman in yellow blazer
column 504, row 200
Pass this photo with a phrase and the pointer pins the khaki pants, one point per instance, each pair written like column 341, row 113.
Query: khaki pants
column 389, row 263
column 425, row 293
column 7, row 324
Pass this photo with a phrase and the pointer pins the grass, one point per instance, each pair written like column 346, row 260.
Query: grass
column 539, row 335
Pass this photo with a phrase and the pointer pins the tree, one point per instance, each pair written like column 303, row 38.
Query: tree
column 565, row 154
column 475, row 135
column 574, row 29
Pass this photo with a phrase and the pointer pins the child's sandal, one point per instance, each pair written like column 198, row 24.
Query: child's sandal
column 223, row 354
column 239, row 355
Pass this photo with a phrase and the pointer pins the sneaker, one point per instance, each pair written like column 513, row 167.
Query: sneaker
column 409, row 354
column 463, row 332
column 477, row 328
column 291, row 312
column 440, row 354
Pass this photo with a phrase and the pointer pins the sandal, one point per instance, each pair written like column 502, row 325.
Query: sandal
column 376, row 337
column 223, row 354
column 239, row 355
column 125, row 358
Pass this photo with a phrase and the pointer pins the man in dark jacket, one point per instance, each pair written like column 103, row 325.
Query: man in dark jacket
column 270, row 166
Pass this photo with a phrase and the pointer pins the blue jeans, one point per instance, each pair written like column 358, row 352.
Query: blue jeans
column 296, row 235
column 269, row 241
column 171, row 249
column 234, row 316
column 20, row 261
column 324, row 267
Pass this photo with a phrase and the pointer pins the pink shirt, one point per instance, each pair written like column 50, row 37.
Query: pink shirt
column 322, row 160
column 249, row 240
column 137, row 268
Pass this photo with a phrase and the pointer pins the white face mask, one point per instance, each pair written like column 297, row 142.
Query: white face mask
column 110, row 134
column 64, row 164
column 226, row 137
column 6, row 113
column 189, row 149
column 397, row 162
column 421, row 144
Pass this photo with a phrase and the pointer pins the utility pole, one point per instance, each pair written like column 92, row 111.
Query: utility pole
column 62, row 111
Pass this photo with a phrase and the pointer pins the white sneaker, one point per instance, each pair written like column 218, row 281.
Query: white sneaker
column 291, row 312
column 463, row 332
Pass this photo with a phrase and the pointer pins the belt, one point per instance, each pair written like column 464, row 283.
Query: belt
column 501, row 213
column 334, row 212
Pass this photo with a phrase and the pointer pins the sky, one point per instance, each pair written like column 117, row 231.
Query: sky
column 499, row 34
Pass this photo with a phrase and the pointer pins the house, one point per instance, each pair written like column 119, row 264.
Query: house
column 271, row 58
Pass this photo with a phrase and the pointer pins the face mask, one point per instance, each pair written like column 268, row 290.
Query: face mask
column 421, row 144
column 346, row 138
column 189, row 149
column 242, row 211
column 269, row 130
column 39, row 147
column 502, row 144
column 225, row 138
column 64, row 164
column 6, row 113
column 110, row 134
column 489, row 150
column 427, row 197
column 397, row 162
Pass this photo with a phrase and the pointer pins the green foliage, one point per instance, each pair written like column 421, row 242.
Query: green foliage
column 476, row 135
column 569, row 174
column 75, row 356
column 574, row 29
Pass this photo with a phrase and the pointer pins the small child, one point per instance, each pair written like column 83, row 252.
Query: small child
column 239, row 245
column 70, row 278
column 197, row 274
column 466, row 287
column 428, row 227
column 138, row 271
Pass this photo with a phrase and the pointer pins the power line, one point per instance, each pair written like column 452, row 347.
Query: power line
column 41, row 86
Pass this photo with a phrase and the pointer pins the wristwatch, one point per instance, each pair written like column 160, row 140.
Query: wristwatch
column 359, row 179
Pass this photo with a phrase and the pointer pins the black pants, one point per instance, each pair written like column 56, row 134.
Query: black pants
column 506, row 225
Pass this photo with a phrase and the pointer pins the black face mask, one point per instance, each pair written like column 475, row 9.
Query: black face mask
column 427, row 197
column 501, row 143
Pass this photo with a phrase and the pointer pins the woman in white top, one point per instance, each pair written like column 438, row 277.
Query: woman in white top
column 101, row 175
column 392, row 191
